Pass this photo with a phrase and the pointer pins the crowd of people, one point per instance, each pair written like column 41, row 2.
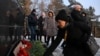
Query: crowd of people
column 45, row 26
column 73, row 28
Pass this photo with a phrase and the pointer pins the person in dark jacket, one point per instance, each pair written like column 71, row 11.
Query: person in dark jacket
column 74, row 34
column 76, row 14
column 42, row 32
column 78, row 17
column 32, row 22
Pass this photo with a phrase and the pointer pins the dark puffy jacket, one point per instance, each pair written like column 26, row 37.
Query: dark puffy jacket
column 75, row 42
column 77, row 16
column 32, row 20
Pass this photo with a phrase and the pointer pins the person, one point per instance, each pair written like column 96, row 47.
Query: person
column 78, row 17
column 41, row 25
column 74, row 36
column 32, row 22
column 50, row 27
column 76, row 14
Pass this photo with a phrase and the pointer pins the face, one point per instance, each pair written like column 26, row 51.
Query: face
column 50, row 14
column 61, row 23
column 34, row 12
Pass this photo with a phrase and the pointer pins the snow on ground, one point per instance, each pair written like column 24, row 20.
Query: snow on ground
column 98, row 42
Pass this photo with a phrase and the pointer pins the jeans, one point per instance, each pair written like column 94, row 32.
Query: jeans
column 33, row 32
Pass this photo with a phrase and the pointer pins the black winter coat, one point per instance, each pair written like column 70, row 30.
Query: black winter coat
column 41, row 25
column 32, row 20
column 75, row 43
column 77, row 16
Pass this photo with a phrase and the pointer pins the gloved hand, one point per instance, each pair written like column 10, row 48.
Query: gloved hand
column 47, row 54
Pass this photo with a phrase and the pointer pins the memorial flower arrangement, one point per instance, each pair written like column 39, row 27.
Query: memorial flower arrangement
column 31, row 48
column 38, row 49
column 25, row 48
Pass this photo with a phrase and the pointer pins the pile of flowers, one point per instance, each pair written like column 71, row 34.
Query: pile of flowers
column 25, row 48
column 31, row 48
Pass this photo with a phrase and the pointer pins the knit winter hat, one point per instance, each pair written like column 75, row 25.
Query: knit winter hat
column 62, row 15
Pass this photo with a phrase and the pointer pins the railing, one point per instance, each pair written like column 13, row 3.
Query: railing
column 9, row 40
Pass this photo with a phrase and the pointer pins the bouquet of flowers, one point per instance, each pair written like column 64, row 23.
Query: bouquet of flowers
column 31, row 48
column 25, row 48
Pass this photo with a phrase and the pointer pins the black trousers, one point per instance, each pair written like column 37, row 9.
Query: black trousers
column 48, row 39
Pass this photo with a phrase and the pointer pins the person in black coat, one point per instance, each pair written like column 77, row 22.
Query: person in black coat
column 76, row 13
column 79, row 18
column 74, row 34
column 32, row 23
column 42, row 32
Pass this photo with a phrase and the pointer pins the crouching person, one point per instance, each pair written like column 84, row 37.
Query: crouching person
column 75, row 37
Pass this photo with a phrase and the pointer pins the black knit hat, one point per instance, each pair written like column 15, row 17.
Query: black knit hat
column 62, row 15
column 33, row 10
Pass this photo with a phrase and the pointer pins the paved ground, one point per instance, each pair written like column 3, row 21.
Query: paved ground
column 58, row 51
column 98, row 41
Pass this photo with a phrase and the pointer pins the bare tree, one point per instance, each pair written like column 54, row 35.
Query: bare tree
column 42, row 6
column 56, row 5
column 35, row 3
column 25, row 5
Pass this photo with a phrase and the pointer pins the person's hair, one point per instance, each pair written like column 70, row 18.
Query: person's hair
column 75, row 6
column 43, row 14
column 33, row 12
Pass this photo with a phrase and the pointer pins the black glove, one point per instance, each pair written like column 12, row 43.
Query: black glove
column 47, row 54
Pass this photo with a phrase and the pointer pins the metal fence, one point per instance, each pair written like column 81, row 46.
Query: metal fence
column 11, row 25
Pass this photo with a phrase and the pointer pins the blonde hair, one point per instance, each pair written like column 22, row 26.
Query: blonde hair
column 43, row 14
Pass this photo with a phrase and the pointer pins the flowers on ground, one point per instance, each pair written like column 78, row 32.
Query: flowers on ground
column 31, row 48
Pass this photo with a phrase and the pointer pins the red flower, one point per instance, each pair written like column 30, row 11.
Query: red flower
column 22, row 52
column 27, row 44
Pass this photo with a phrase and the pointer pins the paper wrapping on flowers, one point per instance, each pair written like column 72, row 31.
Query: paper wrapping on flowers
column 22, row 49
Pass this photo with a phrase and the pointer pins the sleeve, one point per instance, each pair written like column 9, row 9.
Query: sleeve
column 53, row 45
column 45, row 23
column 39, row 21
column 29, row 19
column 32, row 20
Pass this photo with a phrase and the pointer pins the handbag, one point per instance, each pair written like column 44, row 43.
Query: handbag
column 94, row 47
